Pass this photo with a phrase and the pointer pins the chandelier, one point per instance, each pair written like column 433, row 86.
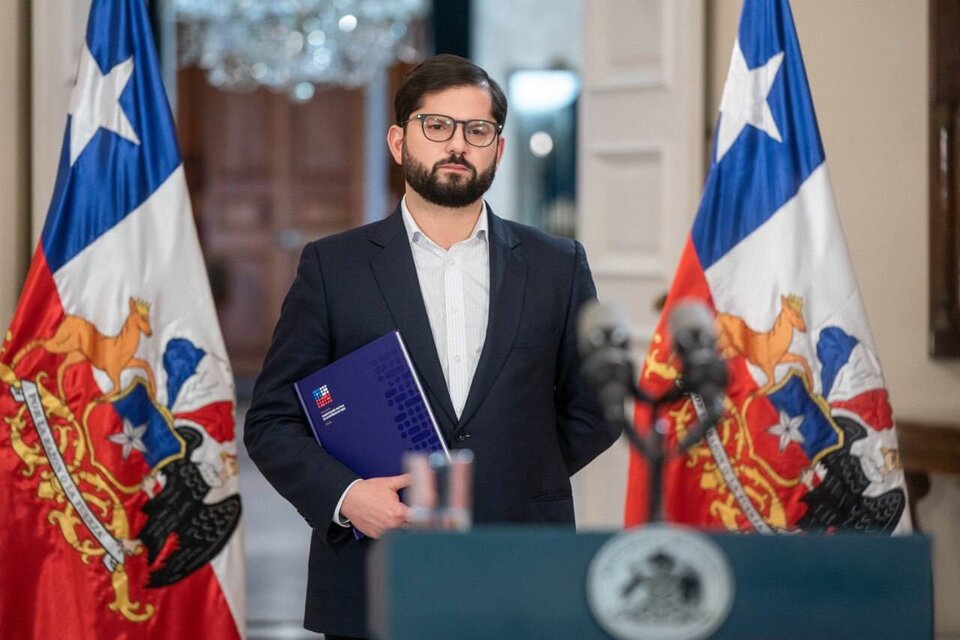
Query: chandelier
column 293, row 45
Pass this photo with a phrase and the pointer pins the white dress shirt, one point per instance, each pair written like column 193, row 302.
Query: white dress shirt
column 455, row 284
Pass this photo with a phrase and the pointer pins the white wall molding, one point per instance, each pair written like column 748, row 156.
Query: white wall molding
column 640, row 177
column 57, row 34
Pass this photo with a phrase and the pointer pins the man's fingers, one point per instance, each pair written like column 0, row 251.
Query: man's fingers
column 402, row 513
column 374, row 508
column 399, row 482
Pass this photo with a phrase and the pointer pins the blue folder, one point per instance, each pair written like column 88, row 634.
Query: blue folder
column 368, row 408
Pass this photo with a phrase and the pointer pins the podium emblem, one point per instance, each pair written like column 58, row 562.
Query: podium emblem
column 660, row 582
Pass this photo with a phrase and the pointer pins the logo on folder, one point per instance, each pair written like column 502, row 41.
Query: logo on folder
column 321, row 396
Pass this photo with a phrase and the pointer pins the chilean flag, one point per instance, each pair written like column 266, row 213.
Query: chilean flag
column 118, row 472
column 807, row 441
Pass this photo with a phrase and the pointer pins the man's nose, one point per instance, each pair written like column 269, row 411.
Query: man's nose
column 458, row 141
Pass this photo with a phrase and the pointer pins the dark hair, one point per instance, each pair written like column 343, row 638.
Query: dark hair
column 444, row 72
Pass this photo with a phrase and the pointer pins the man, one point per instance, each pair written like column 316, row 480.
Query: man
column 488, row 310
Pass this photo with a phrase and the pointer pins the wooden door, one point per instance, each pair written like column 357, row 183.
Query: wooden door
column 266, row 176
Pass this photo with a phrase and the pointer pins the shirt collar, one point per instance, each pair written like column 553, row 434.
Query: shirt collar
column 413, row 230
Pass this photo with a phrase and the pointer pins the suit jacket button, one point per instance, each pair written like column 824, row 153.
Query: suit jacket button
column 460, row 437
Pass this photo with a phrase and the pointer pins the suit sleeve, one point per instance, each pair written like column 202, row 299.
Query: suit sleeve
column 276, row 433
column 584, row 434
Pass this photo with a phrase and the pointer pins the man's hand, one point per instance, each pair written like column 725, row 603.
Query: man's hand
column 374, row 507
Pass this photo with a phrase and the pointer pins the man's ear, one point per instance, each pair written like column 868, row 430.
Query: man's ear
column 395, row 142
column 500, row 144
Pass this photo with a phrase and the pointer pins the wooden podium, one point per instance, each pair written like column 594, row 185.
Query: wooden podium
column 531, row 583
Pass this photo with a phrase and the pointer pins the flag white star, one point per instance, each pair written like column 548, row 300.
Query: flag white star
column 94, row 103
column 788, row 430
column 130, row 439
column 744, row 100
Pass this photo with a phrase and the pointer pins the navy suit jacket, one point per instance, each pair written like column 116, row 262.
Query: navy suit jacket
column 528, row 419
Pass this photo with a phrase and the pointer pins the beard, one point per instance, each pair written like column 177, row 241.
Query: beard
column 456, row 190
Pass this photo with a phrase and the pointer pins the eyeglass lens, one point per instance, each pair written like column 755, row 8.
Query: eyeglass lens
column 479, row 133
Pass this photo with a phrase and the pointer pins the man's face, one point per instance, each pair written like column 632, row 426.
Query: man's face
column 453, row 173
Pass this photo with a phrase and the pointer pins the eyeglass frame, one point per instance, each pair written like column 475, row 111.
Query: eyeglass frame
column 453, row 132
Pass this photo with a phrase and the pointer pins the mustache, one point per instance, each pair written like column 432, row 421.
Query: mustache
column 455, row 159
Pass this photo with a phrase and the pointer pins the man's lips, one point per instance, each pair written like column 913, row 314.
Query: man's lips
column 455, row 167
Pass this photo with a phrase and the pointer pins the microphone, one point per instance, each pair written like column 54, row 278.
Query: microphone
column 704, row 371
column 603, row 342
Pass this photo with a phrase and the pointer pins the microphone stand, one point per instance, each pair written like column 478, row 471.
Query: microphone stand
column 652, row 445
column 614, row 374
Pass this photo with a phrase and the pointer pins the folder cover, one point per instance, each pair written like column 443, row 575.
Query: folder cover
column 368, row 408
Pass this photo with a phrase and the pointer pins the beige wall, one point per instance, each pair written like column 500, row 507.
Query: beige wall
column 14, row 160
column 866, row 63
column 39, row 44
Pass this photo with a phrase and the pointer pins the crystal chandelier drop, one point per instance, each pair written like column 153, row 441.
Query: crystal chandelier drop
column 293, row 45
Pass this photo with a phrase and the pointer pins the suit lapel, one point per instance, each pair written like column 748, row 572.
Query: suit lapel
column 508, row 279
column 396, row 275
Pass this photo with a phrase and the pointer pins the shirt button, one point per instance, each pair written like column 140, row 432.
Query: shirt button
column 457, row 358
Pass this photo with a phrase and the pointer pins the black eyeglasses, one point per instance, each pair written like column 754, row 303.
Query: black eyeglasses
column 438, row 128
